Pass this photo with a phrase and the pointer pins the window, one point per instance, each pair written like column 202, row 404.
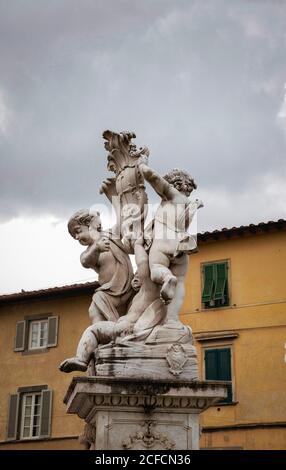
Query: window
column 36, row 334
column 29, row 414
column 218, row 367
column 215, row 285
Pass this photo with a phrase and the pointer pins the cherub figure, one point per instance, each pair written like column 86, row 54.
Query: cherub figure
column 107, row 256
column 168, row 256
column 145, row 312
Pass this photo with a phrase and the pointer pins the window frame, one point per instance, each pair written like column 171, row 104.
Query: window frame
column 22, row 343
column 22, row 418
column 219, row 345
column 227, row 261
column 17, row 411
column 30, row 326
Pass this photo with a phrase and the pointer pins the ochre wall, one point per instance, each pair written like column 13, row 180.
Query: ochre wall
column 257, row 313
column 272, row 438
column 257, row 269
column 19, row 370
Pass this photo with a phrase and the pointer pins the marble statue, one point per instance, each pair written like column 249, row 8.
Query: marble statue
column 146, row 311
column 108, row 257
column 136, row 331
column 141, row 389
column 171, row 245
column 128, row 189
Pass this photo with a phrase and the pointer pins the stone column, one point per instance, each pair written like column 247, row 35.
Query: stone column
column 124, row 414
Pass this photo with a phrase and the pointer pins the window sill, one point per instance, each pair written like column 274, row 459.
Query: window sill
column 30, row 439
column 219, row 405
column 221, row 335
column 42, row 439
column 210, row 309
column 29, row 352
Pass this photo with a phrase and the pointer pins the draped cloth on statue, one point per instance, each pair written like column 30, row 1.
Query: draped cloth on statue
column 109, row 295
column 153, row 315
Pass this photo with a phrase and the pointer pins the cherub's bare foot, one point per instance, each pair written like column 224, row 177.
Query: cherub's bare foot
column 73, row 363
column 168, row 289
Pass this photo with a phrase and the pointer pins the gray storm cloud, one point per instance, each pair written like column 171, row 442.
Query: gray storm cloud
column 201, row 83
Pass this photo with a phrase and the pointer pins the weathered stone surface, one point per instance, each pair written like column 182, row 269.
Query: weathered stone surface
column 137, row 414
column 142, row 361
column 142, row 392
column 141, row 308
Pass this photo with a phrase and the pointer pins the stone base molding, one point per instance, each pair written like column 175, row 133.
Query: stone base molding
column 136, row 414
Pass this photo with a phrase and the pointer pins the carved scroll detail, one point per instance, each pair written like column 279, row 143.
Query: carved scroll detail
column 149, row 438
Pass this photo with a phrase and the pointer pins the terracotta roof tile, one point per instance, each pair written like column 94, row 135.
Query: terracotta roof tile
column 72, row 289
column 242, row 230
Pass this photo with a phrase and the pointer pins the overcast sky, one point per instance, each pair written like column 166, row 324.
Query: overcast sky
column 202, row 84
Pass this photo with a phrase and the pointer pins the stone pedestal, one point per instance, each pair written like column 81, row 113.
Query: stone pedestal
column 124, row 414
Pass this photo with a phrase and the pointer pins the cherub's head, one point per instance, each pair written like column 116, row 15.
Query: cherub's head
column 181, row 180
column 84, row 226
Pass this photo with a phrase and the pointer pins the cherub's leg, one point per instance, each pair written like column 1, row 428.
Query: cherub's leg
column 87, row 344
column 180, row 270
column 175, row 305
column 136, row 308
column 95, row 314
column 161, row 274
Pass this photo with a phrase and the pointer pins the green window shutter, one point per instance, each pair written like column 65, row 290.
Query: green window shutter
column 224, row 368
column 52, row 332
column 218, row 367
column 224, row 364
column 211, row 364
column 221, row 281
column 20, row 336
column 45, row 428
column 209, row 273
column 12, row 426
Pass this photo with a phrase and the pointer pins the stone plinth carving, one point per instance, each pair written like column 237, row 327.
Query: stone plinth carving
column 156, row 415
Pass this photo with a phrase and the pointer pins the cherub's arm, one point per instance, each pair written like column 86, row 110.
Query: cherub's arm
column 159, row 184
column 108, row 188
column 89, row 258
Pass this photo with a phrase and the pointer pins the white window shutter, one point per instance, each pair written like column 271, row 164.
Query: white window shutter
column 46, row 413
column 20, row 336
column 13, row 413
column 52, row 331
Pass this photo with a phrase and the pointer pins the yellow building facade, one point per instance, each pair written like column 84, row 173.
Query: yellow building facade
column 235, row 303
column 22, row 371
column 252, row 327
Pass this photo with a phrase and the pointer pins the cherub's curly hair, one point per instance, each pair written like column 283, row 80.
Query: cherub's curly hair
column 81, row 217
column 176, row 177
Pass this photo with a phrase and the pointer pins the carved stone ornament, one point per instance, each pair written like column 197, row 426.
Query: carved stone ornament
column 149, row 438
column 123, row 160
column 88, row 437
column 176, row 358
